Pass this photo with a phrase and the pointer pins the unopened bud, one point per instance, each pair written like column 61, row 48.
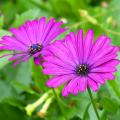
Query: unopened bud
column 31, row 107
column 64, row 20
column 104, row 4
column 85, row 14
column 109, row 20
column 45, row 107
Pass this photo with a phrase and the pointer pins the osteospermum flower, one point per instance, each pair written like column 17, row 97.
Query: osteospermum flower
column 29, row 40
column 79, row 62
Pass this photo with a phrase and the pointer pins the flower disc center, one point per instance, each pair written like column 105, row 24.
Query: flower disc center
column 83, row 69
column 35, row 48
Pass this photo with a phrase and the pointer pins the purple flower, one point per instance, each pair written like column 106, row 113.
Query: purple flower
column 78, row 62
column 29, row 40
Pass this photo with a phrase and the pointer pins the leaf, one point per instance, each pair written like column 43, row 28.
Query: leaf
column 15, row 102
column 4, row 32
column 18, row 77
column 39, row 78
column 4, row 60
column 28, row 15
column 22, row 78
column 110, row 105
column 114, row 84
column 86, row 114
column 114, row 25
column 8, row 112
column 1, row 21
column 6, row 91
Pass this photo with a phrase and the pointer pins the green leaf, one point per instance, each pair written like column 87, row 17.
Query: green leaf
column 4, row 32
column 1, row 21
column 114, row 25
column 22, row 78
column 28, row 15
column 39, row 78
column 8, row 112
column 19, row 77
column 110, row 104
column 4, row 60
column 6, row 91
column 15, row 102
column 114, row 84
column 86, row 114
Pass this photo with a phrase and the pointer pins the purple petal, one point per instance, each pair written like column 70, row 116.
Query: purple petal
column 31, row 31
column 64, row 92
column 101, row 55
column 70, row 46
column 75, row 91
column 40, row 29
column 97, row 78
column 110, row 63
column 59, row 50
column 24, row 59
column 57, row 61
column 11, row 43
column 54, row 32
column 80, row 45
column 104, row 69
column 72, row 84
column 14, row 57
column 107, row 76
column 37, row 61
column 47, row 30
column 93, row 85
column 98, row 44
column 57, row 71
column 53, row 65
column 88, row 44
column 59, row 80
column 20, row 35
column 82, row 84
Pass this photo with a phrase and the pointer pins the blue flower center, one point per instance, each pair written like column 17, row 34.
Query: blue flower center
column 83, row 70
column 34, row 48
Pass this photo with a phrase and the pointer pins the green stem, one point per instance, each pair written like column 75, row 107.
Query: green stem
column 93, row 103
column 58, row 100
column 86, row 111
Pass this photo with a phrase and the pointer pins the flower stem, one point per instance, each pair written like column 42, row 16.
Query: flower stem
column 93, row 103
column 58, row 100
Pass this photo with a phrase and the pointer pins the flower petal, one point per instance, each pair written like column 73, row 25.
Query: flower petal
column 97, row 78
column 104, row 69
column 82, row 84
column 37, row 61
column 93, row 85
column 88, row 44
column 59, row 80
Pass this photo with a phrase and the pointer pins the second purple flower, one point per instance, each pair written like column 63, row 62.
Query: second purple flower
column 29, row 40
column 78, row 62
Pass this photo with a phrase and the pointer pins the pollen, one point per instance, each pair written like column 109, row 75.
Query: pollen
column 82, row 69
column 34, row 49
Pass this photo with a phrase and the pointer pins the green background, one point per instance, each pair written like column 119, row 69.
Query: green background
column 25, row 84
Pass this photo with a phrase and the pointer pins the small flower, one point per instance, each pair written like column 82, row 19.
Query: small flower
column 29, row 40
column 42, row 113
column 31, row 107
column 79, row 62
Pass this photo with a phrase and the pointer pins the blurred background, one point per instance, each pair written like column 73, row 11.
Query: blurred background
column 25, row 84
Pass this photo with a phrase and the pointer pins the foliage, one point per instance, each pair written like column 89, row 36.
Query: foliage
column 25, row 84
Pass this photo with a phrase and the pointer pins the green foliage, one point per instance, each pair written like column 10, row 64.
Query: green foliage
column 25, row 84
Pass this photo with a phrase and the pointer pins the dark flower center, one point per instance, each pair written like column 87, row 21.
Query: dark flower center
column 83, row 70
column 35, row 48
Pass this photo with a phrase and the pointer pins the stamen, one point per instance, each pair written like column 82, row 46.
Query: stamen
column 83, row 69
column 34, row 48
